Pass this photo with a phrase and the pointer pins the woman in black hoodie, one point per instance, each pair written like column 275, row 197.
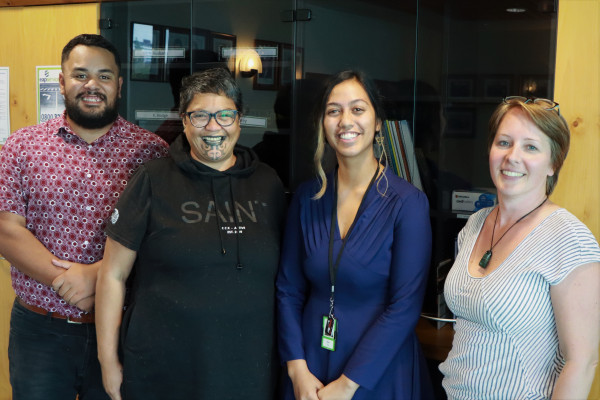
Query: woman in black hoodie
column 201, row 230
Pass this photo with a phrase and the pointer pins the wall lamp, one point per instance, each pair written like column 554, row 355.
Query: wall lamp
column 249, row 62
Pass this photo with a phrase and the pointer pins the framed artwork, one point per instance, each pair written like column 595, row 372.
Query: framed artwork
column 286, row 64
column 269, row 56
column 497, row 87
column 177, row 42
column 177, row 45
column 147, row 52
column 200, row 39
column 224, row 45
column 460, row 122
column 461, row 87
column 287, row 69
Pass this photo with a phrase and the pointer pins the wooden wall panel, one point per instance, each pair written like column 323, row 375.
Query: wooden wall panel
column 31, row 36
column 577, row 89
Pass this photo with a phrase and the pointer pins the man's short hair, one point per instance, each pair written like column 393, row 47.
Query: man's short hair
column 88, row 39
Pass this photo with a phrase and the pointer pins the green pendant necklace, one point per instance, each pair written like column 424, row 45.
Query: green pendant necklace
column 485, row 260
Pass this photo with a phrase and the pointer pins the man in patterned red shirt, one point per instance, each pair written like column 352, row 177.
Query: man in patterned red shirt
column 59, row 181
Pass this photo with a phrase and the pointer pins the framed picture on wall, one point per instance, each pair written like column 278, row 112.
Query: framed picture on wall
column 177, row 42
column 460, row 122
column 286, row 65
column 224, row 45
column 461, row 87
column 147, row 52
column 495, row 88
column 269, row 56
column 287, row 69
column 200, row 39
column 177, row 45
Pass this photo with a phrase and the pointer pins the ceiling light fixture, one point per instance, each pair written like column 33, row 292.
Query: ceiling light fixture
column 516, row 10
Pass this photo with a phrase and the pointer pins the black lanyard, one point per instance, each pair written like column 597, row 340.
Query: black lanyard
column 333, row 268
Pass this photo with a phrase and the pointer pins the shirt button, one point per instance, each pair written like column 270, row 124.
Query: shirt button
column 86, row 243
column 88, row 175
column 88, row 208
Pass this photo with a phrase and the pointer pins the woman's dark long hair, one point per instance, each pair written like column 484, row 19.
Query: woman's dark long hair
column 335, row 80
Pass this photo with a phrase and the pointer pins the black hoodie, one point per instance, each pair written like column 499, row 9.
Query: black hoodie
column 201, row 322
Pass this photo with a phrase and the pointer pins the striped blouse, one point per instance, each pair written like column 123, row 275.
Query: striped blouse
column 506, row 344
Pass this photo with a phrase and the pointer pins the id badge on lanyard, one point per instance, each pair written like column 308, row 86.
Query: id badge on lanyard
column 329, row 332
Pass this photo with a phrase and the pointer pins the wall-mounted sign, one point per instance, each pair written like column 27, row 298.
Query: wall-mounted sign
column 156, row 115
column 50, row 102
column 258, row 122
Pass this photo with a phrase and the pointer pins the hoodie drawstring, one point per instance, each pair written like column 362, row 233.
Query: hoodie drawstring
column 239, row 264
column 237, row 224
column 219, row 228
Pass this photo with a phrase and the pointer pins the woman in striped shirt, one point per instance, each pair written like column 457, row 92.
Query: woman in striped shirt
column 525, row 287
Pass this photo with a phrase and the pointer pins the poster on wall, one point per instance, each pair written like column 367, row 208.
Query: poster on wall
column 50, row 102
column 4, row 105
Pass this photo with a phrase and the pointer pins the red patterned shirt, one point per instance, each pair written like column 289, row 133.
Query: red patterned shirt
column 66, row 189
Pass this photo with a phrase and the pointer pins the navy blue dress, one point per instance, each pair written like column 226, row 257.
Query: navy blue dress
column 379, row 290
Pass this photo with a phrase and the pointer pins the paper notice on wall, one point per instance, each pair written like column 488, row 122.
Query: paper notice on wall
column 51, row 103
column 4, row 105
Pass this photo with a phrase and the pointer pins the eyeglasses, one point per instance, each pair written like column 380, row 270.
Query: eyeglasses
column 549, row 104
column 201, row 118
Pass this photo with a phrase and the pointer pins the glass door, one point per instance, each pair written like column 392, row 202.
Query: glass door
column 161, row 41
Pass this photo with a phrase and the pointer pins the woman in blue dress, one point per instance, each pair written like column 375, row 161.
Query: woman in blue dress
column 354, row 264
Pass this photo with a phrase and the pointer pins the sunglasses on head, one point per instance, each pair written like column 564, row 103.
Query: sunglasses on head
column 547, row 104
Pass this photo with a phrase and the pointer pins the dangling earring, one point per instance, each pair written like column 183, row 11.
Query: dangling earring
column 379, row 149
column 380, row 154
column 378, row 145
